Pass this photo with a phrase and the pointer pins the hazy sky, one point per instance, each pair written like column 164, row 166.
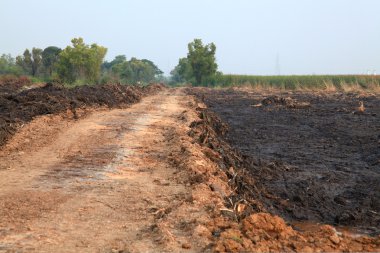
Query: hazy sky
column 310, row 36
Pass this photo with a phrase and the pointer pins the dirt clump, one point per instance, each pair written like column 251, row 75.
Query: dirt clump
column 263, row 232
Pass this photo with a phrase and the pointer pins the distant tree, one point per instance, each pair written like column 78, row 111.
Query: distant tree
column 199, row 66
column 25, row 61
column 157, row 71
column 50, row 57
column 30, row 62
column 81, row 62
column 202, row 60
column 131, row 71
column 119, row 59
column 182, row 72
column 8, row 65
column 37, row 60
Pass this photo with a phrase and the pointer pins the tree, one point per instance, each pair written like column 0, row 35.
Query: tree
column 131, row 71
column 81, row 62
column 25, row 61
column 50, row 57
column 202, row 60
column 37, row 60
column 30, row 62
column 182, row 72
column 8, row 65
column 199, row 66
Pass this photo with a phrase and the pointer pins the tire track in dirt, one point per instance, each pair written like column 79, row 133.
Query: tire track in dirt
column 99, row 186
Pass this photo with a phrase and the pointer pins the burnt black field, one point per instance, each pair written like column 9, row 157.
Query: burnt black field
column 320, row 156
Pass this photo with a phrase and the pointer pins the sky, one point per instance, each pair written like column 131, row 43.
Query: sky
column 306, row 36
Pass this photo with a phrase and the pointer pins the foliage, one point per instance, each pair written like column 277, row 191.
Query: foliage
column 132, row 71
column 50, row 57
column 8, row 65
column 25, row 61
column 202, row 60
column 80, row 62
column 37, row 60
column 30, row 62
column 182, row 72
column 199, row 66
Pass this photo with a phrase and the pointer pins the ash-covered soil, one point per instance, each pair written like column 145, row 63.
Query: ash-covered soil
column 316, row 156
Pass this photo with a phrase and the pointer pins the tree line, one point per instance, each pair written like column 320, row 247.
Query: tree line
column 81, row 63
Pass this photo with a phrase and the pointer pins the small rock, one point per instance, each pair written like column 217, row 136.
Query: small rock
column 307, row 249
column 256, row 239
column 335, row 239
column 186, row 245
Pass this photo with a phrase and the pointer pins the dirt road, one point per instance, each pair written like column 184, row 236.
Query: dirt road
column 96, row 185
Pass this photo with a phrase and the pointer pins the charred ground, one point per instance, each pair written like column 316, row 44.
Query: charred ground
column 312, row 156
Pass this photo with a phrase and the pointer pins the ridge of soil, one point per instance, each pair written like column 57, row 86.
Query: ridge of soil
column 20, row 102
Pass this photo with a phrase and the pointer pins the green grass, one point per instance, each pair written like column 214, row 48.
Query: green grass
column 299, row 82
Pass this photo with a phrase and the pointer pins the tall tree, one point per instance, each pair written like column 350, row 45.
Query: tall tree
column 199, row 66
column 50, row 57
column 30, row 62
column 37, row 60
column 202, row 60
column 25, row 61
column 81, row 62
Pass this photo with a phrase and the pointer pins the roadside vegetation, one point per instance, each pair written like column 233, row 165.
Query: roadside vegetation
column 76, row 65
column 81, row 63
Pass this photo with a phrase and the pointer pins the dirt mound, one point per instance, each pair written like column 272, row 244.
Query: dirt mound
column 11, row 84
column 19, row 107
column 263, row 232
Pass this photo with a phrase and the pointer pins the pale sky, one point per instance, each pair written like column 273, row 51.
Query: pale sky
column 310, row 36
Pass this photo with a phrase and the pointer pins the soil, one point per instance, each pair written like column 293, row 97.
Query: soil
column 154, row 176
column 312, row 156
column 113, row 181
column 20, row 101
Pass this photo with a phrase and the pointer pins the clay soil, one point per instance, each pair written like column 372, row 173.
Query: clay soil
column 314, row 156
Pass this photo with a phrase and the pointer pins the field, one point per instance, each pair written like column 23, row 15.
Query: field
column 315, row 155
column 311, row 82
column 115, row 168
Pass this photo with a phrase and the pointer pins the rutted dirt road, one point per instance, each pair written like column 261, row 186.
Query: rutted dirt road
column 100, row 185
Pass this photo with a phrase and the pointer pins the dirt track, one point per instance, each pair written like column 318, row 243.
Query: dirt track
column 99, row 185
